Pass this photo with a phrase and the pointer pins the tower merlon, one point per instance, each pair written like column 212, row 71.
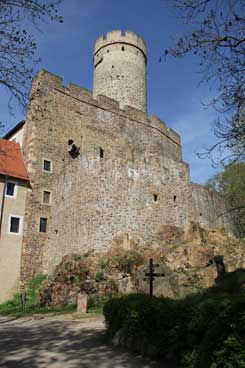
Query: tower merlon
column 135, row 113
column 157, row 123
column 118, row 36
column 79, row 92
column 107, row 102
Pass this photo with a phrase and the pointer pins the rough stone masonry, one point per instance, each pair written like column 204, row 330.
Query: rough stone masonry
column 114, row 171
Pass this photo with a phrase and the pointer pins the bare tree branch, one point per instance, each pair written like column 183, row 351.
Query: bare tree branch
column 217, row 38
column 18, row 46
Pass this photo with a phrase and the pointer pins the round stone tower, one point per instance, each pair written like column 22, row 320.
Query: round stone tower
column 120, row 68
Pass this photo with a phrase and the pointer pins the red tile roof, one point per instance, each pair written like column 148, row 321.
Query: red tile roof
column 11, row 161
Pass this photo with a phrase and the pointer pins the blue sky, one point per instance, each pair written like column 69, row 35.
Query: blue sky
column 174, row 92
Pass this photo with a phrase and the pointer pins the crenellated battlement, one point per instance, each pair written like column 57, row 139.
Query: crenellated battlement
column 45, row 79
column 159, row 124
column 118, row 36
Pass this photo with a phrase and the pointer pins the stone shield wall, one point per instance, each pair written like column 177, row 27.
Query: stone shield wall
column 128, row 178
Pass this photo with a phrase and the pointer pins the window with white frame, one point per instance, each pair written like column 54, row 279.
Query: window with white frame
column 47, row 165
column 11, row 189
column 15, row 225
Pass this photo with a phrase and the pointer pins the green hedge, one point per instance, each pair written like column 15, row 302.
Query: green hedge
column 201, row 331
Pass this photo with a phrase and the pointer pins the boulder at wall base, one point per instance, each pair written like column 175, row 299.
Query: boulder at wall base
column 125, row 285
column 170, row 233
column 185, row 256
column 194, row 234
column 54, row 294
column 162, row 286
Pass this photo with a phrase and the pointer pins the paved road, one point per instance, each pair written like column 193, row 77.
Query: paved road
column 61, row 342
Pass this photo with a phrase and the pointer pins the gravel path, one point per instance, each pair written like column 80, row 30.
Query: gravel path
column 62, row 342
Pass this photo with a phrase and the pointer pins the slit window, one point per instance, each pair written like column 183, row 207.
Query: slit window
column 43, row 225
column 175, row 198
column 155, row 196
column 47, row 166
column 98, row 62
column 101, row 152
column 123, row 48
column 46, row 197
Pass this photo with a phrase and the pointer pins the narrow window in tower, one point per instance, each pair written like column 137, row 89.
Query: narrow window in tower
column 200, row 214
column 175, row 198
column 112, row 66
column 43, row 225
column 108, row 50
column 101, row 153
column 46, row 197
column 98, row 62
column 155, row 197
column 122, row 48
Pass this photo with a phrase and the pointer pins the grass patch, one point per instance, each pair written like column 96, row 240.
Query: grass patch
column 13, row 307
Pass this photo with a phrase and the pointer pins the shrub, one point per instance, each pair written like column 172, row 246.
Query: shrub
column 203, row 330
column 100, row 276
column 123, row 260
column 11, row 304
column 127, row 260
column 14, row 306
column 33, row 289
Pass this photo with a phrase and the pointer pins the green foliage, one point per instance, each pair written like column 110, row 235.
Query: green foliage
column 11, row 304
column 34, row 288
column 231, row 355
column 73, row 269
column 96, row 303
column 104, row 264
column 14, row 307
column 127, row 260
column 100, row 276
column 231, row 185
column 124, row 260
column 203, row 330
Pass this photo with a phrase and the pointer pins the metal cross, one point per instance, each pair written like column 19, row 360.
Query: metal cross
column 152, row 274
